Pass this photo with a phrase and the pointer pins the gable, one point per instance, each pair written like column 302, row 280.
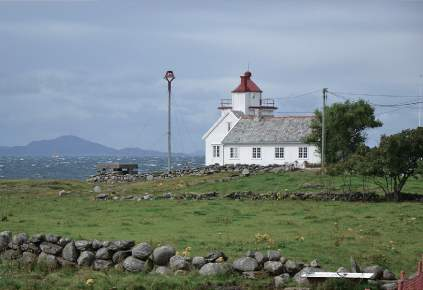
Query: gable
column 232, row 116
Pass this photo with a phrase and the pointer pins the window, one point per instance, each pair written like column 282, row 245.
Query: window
column 279, row 152
column 233, row 153
column 303, row 152
column 256, row 152
column 216, row 151
column 229, row 126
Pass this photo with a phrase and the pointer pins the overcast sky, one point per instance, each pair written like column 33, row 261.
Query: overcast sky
column 95, row 68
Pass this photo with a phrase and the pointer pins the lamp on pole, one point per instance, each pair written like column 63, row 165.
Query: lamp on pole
column 169, row 77
column 323, row 155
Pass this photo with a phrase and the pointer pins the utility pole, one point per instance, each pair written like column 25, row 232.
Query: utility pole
column 420, row 104
column 324, row 92
column 169, row 77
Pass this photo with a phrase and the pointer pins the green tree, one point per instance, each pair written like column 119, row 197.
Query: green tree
column 345, row 125
column 397, row 158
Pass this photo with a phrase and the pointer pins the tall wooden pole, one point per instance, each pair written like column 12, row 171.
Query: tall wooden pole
column 169, row 77
column 324, row 92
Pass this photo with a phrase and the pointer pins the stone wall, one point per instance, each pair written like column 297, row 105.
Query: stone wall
column 53, row 251
column 236, row 170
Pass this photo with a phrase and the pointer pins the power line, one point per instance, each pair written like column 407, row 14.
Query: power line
column 376, row 95
column 297, row 96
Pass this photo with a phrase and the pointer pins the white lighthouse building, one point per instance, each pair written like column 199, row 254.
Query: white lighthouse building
column 247, row 132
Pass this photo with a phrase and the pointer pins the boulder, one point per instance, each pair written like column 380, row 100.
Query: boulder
column 19, row 239
column 142, row 251
column 376, row 270
column 162, row 255
column 198, row 262
column 245, row 264
column 102, row 196
column 96, row 244
column 291, row 267
column 272, row 255
column 211, row 269
column 86, row 258
column 5, row 238
column 178, row 263
column 65, row 263
column 69, row 252
column 50, row 248
column 100, row 264
column 29, row 258
column 315, row 264
column 104, row 254
column 302, row 281
column 97, row 189
column 149, row 177
column 260, row 258
column 273, row 267
column 121, row 245
column 37, row 238
column 63, row 241
column 11, row 254
column 213, row 256
column 281, row 281
column 163, row 270
column 52, row 238
column 120, row 256
column 48, row 261
column 132, row 264
column 83, row 245
column 30, row 247
column 342, row 270
column 388, row 275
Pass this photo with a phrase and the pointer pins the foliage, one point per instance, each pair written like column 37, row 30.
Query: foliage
column 396, row 159
column 345, row 125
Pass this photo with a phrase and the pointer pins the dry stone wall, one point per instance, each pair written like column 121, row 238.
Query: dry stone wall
column 53, row 251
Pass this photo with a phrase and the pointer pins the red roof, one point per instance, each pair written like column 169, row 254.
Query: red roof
column 247, row 85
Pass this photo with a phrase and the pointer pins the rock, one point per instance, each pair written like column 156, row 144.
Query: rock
column 388, row 275
column 210, row 269
column 181, row 273
column 315, row 264
column 50, row 248
column 161, row 255
column 389, row 286
column 86, row 258
column 254, row 275
column 48, row 261
column 167, row 195
column 149, row 177
column 302, row 281
column 291, row 267
column 5, row 238
column 376, row 270
column 62, row 193
column 83, row 245
column 198, row 262
column 96, row 244
column 97, row 189
column 281, row 281
column 132, row 264
column 30, row 247
column 163, row 270
column 102, row 196
column 245, row 172
column 142, row 251
column 69, row 252
column 104, row 254
column 273, row 255
column 213, row 256
column 273, row 267
column 120, row 256
column 52, row 238
column 63, row 241
column 342, row 270
column 100, row 264
column 355, row 268
column 29, row 258
column 38, row 238
column 11, row 254
column 178, row 263
column 19, row 239
column 121, row 245
column 65, row 263
column 245, row 264
column 260, row 258
column 283, row 260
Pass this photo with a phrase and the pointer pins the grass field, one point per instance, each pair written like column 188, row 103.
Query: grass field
column 389, row 234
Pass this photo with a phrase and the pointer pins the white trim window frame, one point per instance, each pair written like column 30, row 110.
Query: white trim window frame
column 279, row 152
column 216, row 151
column 234, row 152
column 256, row 153
column 303, row 152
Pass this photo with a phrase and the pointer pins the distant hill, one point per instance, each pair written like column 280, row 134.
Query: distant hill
column 72, row 146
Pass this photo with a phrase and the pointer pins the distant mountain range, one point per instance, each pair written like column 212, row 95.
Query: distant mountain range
column 73, row 146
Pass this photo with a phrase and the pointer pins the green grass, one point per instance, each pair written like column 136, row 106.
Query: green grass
column 389, row 234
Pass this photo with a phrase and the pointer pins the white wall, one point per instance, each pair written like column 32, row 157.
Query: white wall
column 242, row 101
column 268, row 154
column 216, row 137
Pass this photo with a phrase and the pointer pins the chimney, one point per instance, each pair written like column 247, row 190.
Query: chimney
column 244, row 80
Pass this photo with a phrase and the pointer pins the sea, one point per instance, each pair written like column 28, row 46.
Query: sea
column 62, row 167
